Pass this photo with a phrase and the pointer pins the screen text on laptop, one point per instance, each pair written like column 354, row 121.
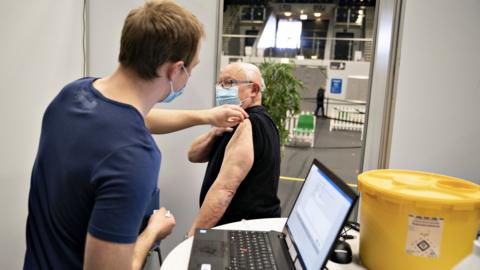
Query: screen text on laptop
column 317, row 217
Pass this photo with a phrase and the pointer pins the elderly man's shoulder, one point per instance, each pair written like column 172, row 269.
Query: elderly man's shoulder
column 244, row 125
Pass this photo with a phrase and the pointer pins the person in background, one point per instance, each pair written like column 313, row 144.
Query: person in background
column 320, row 98
column 97, row 165
column 241, row 180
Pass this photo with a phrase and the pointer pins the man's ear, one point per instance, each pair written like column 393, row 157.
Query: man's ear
column 173, row 69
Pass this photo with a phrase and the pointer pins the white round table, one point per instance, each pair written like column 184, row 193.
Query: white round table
column 179, row 257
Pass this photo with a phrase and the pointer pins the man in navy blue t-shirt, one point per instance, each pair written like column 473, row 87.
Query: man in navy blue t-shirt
column 95, row 175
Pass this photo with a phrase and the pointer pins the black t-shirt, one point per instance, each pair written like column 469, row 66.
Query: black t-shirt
column 256, row 197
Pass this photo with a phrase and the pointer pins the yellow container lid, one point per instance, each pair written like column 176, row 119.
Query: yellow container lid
column 420, row 188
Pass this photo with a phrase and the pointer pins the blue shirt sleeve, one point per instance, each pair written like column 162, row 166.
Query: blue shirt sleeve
column 124, row 183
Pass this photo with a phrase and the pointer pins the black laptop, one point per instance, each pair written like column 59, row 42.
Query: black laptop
column 317, row 217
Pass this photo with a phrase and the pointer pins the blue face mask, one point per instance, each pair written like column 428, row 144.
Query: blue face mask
column 227, row 95
column 174, row 94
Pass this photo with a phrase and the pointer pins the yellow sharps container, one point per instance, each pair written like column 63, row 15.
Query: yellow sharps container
column 416, row 220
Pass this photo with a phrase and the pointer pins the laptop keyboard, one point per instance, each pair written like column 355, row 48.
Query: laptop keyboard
column 250, row 250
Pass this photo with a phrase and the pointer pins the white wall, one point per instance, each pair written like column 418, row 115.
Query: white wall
column 436, row 122
column 179, row 179
column 40, row 52
column 105, row 21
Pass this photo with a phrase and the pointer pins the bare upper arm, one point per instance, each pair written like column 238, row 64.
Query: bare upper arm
column 101, row 254
column 152, row 119
column 238, row 158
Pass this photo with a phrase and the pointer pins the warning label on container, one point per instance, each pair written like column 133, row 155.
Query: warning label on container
column 424, row 236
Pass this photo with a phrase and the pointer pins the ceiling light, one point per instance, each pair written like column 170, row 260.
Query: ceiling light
column 358, row 77
column 288, row 13
column 360, row 12
column 317, row 14
column 303, row 17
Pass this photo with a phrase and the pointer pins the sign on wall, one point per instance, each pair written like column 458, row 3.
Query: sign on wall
column 337, row 65
column 336, row 86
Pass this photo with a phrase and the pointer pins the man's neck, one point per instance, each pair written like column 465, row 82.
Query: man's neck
column 126, row 87
column 254, row 103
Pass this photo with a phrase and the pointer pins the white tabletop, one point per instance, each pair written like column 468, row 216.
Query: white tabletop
column 179, row 257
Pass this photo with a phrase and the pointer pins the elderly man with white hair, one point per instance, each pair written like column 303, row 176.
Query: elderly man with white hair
column 242, row 175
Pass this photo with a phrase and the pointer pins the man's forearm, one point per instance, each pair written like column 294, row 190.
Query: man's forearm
column 161, row 121
column 212, row 210
column 144, row 242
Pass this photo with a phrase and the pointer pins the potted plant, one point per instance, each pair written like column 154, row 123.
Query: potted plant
column 281, row 94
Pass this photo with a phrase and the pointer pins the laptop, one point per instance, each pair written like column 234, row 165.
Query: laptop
column 315, row 221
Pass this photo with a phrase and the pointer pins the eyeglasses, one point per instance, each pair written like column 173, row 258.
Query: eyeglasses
column 231, row 83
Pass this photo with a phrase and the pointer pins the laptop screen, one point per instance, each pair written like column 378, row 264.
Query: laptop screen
column 318, row 215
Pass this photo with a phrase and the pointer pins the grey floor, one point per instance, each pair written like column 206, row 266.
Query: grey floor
column 338, row 150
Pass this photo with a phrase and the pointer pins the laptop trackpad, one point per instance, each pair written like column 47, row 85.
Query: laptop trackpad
column 209, row 248
column 208, row 255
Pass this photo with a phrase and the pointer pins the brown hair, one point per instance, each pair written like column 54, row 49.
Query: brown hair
column 156, row 33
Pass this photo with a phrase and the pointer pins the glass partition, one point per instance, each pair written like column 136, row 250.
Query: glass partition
column 330, row 45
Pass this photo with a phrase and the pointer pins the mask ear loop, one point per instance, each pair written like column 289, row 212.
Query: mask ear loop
column 242, row 101
column 171, row 81
column 171, row 87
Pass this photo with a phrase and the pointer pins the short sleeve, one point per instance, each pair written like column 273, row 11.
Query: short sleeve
column 258, row 136
column 124, row 183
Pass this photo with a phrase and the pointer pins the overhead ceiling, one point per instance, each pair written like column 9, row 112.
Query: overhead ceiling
column 350, row 3
column 327, row 8
column 326, row 11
